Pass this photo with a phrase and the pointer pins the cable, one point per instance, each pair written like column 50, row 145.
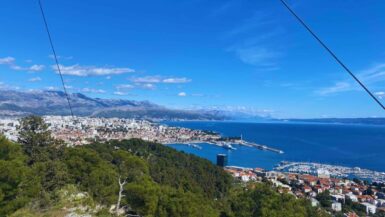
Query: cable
column 55, row 57
column 332, row 54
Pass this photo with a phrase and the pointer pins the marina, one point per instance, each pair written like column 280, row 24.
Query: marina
column 330, row 170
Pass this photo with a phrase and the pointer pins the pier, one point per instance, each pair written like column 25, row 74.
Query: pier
column 227, row 144
column 262, row 147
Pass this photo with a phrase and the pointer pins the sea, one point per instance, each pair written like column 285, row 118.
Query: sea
column 352, row 145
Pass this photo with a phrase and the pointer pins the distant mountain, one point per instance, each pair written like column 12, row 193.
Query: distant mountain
column 375, row 121
column 17, row 103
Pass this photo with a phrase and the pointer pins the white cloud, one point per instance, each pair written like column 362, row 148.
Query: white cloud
column 35, row 79
column 257, row 55
column 146, row 86
column 176, row 80
column 373, row 74
column 147, row 79
column 92, row 90
column 119, row 93
column 337, row 87
column 380, row 94
column 68, row 87
column 61, row 57
column 198, row 95
column 370, row 76
column 16, row 67
column 10, row 61
column 7, row 60
column 124, row 86
column 257, row 21
column 51, row 88
column 160, row 79
column 182, row 94
column 83, row 71
column 36, row 68
column 254, row 41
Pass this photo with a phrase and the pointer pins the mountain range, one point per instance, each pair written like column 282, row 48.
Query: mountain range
column 21, row 103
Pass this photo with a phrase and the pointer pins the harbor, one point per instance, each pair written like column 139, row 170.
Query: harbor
column 227, row 143
column 330, row 170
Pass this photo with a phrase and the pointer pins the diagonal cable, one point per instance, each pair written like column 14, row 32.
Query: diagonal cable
column 55, row 57
column 332, row 54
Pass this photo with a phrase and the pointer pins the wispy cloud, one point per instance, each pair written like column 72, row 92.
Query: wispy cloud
column 257, row 55
column 7, row 60
column 371, row 76
column 182, row 94
column 35, row 79
column 84, row 71
column 161, row 79
column 223, row 8
column 125, row 87
column 257, row 21
column 337, row 87
column 11, row 62
column 120, row 93
column 380, row 94
column 61, row 57
column 253, row 42
column 92, row 90
column 36, row 68
column 68, row 87
column 51, row 88
column 146, row 86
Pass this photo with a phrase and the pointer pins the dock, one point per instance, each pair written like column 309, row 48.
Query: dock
column 261, row 147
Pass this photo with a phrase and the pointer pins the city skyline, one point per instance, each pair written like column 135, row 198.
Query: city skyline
column 198, row 54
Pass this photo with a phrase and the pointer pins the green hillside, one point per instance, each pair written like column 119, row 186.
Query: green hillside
column 42, row 177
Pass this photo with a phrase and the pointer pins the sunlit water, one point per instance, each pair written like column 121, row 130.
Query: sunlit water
column 346, row 145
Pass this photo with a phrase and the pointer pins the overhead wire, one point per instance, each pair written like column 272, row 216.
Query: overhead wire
column 55, row 57
column 302, row 22
column 299, row 19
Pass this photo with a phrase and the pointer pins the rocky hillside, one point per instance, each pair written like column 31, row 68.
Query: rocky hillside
column 17, row 103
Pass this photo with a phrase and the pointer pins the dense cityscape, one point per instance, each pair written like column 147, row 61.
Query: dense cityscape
column 84, row 130
column 368, row 197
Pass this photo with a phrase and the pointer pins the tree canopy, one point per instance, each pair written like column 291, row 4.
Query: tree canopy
column 37, row 173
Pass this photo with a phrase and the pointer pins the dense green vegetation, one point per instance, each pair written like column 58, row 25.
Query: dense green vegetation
column 39, row 176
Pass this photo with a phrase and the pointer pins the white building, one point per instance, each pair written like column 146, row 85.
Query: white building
column 352, row 197
column 338, row 198
column 323, row 173
column 314, row 202
column 381, row 202
column 336, row 206
column 370, row 208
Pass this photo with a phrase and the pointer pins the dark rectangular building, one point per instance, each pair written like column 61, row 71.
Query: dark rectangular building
column 222, row 160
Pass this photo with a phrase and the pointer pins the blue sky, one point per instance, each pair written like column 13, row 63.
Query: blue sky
column 235, row 54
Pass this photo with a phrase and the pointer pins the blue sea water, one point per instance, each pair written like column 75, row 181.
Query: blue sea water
column 346, row 145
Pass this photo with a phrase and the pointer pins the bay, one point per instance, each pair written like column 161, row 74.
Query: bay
column 338, row 144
